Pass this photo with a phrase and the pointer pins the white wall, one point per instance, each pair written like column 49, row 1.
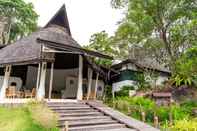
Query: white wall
column 118, row 85
column 17, row 80
column 59, row 81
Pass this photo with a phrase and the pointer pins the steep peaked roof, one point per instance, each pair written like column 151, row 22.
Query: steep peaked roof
column 56, row 35
column 60, row 19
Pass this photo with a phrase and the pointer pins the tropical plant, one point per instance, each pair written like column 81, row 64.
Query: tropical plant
column 185, row 72
column 18, row 19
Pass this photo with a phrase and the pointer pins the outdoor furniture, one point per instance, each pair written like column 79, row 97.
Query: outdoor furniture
column 30, row 94
column 11, row 92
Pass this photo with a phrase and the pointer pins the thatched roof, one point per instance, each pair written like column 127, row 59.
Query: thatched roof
column 56, row 35
column 143, row 64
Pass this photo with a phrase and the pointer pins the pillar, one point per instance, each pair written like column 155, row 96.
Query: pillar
column 5, row 82
column 51, row 80
column 96, row 85
column 80, row 79
column 38, row 77
column 41, row 88
column 90, row 72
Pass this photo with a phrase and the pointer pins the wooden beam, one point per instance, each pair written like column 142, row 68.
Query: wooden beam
column 90, row 73
column 96, row 85
column 51, row 80
column 5, row 82
column 80, row 79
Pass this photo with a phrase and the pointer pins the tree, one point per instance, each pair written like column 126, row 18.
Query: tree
column 101, row 42
column 164, row 28
column 17, row 19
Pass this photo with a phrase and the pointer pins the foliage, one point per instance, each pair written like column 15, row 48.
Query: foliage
column 20, row 118
column 124, row 91
column 103, row 43
column 142, row 83
column 186, row 73
column 21, row 18
column 184, row 125
column 162, row 28
column 140, row 104
column 107, row 93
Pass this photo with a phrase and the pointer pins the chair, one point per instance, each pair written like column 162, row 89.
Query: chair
column 11, row 92
column 30, row 94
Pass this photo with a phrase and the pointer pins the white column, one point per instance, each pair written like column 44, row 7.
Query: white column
column 96, row 85
column 80, row 79
column 38, row 77
column 5, row 82
column 51, row 80
column 41, row 88
column 90, row 72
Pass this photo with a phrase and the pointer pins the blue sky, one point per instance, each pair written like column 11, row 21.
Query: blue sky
column 85, row 16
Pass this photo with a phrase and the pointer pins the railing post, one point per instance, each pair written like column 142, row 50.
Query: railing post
column 66, row 126
column 143, row 116
column 156, row 121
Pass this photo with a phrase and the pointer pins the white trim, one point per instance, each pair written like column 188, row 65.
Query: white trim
column 51, row 80
column 90, row 73
column 96, row 85
column 38, row 77
column 41, row 90
column 5, row 82
column 80, row 79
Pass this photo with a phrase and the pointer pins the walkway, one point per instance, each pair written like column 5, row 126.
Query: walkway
column 94, row 116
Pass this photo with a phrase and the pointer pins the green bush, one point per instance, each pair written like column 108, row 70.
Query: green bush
column 184, row 125
column 124, row 91
column 139, row 104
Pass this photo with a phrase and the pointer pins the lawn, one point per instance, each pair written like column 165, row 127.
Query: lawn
column 21, row 119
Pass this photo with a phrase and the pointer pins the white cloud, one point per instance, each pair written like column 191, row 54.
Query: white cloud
column 85, row 16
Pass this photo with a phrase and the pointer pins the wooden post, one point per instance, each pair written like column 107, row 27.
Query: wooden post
column 129, row 110
column 5, row 82
column 90, row 72
column 80, row 79
column 41, row 90
column 170, row 119
column 66, row 126
column 156, row 121
column 51, row 80
column 96, row 85
column 143, row 116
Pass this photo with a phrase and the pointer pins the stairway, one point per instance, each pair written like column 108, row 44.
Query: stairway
column 82, row 117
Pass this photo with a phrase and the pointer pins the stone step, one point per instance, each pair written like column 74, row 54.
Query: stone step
column 120, row 129
column 83, row 118
column 86, row 123
column 69, row 108
column 56, row 106
column 66, row 114
column 97, row 127
column 75, row 111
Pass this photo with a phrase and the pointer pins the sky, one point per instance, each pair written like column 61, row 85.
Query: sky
column 86, row 17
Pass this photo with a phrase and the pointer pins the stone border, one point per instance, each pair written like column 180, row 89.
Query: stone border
column 122, row 118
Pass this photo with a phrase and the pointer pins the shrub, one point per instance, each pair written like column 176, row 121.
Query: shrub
column 42, row 114
column 124, row 91
column 107, row 94
column 185, row 125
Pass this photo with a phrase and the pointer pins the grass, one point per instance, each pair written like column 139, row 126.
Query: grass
column 25, row 119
